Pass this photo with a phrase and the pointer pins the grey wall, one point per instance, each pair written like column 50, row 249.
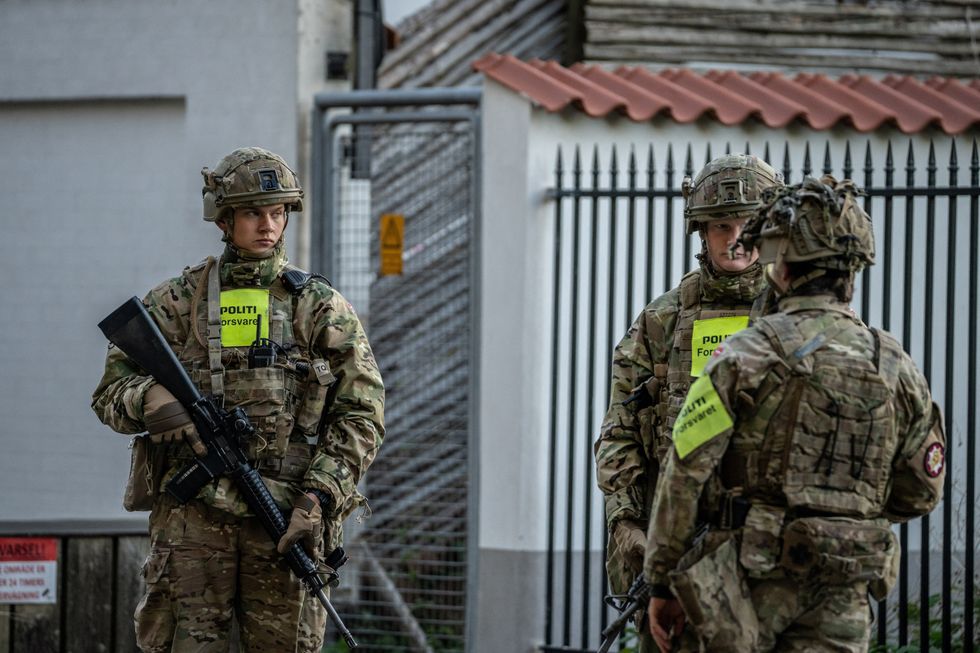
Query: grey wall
column 108, row 111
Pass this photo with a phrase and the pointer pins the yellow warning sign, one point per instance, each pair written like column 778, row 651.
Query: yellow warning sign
column 392, row 240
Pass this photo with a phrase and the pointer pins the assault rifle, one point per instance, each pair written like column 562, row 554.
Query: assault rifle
column 636, row 599
column 130, row 328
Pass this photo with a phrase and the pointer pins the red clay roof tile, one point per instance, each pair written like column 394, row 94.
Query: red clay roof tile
column 911, row 115
column 684, row 106
column 596, row 100
column 776, row 110
column 733, row 97
column 955, row 102
column 820, row 113
column 730, row 108
column 641, row 104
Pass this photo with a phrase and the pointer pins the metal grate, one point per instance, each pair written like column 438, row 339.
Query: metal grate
column 409, row 583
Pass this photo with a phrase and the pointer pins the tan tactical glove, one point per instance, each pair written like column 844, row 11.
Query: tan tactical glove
column 304, row 525
column 167, row 421
column 631, row 542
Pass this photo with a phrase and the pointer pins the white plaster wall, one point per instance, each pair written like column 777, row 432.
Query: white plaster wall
column 108, row 111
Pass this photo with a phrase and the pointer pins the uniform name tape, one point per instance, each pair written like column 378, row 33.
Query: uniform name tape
column 708, row 334
column 240, row 311
column 702, row 417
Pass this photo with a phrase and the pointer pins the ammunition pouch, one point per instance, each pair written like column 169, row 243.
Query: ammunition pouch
column 761, row 542
column 711, row 587
column 147, row 465
column 292, row 467
column 840, row 550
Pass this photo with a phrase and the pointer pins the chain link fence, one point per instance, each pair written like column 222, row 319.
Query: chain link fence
column 406, row 588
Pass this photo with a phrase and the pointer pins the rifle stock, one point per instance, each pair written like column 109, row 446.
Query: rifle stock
column 131, row 328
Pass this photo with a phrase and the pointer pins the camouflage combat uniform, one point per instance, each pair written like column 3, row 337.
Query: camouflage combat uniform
column 656, row 355
column 318, row 415
column 823, row 431
column 656, row 361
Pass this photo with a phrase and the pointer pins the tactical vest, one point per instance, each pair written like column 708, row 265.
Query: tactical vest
column 674, row 377
column 284, row 401
column 820, row 433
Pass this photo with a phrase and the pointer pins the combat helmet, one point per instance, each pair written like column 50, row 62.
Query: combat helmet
column 249, row 176
column 728, row 186
column 817, row 222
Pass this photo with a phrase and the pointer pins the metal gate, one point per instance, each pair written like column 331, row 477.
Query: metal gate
column 414, row 154
column 620, row 242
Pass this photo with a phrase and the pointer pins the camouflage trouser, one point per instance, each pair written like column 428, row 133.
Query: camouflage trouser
column 204, row 566
column 806, row 616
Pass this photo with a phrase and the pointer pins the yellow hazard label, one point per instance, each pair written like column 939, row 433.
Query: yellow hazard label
column 708, row 334
column 392, row 240
column 242, row 311
column 702, row 417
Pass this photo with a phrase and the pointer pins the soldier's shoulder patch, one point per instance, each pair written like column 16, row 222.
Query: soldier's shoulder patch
column 934, row 460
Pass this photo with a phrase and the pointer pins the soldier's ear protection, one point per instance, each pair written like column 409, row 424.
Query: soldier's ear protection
column 209, row 192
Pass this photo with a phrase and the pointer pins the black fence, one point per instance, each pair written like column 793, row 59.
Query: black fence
column 619, row 242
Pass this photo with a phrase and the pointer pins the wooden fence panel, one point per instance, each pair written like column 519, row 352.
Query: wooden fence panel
column 5, row 628
column 130, row 553
column 88, row 595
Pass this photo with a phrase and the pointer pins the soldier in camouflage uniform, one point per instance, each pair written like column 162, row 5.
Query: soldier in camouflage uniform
column 822, row 431
column 666, row 348
column 317, row 411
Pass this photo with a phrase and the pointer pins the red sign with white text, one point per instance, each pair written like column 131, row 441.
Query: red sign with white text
column 28, row 569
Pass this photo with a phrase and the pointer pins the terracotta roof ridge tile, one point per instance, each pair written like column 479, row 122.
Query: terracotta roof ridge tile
column 597, row 101
column 521, row 78
column 910, row 114
column 731, row 108
column 956, row 99
column 866, row 114
column 641, row 103
column 686, row 107
column 776, row 111
column 820, row 112
column 731, row 96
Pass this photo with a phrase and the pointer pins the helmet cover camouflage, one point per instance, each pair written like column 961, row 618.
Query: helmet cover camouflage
column 817, row 221
column 249, row 176
column 728, row 186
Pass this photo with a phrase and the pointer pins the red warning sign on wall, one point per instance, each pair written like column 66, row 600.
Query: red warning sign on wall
column 28, row 569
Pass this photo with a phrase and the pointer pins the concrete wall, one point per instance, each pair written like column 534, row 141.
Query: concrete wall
column 520, row 145
column 108, row 111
